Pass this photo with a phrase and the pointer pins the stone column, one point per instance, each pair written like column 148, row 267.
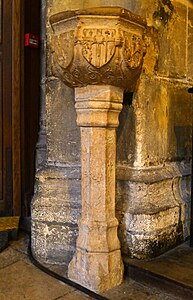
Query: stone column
column 97, row 263
column 99, row 52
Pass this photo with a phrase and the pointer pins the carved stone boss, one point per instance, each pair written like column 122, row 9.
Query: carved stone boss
column 99, row 52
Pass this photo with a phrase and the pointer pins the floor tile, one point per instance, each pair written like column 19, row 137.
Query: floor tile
column 21, row 245
column 75, row 296
column 9, row 256
column 24, row 281
column 132, row 290
column 20, row 280
column 176, row 264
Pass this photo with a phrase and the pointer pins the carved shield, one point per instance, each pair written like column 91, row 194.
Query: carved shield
column 98, row 46
column 63, row 47
column 132, row 50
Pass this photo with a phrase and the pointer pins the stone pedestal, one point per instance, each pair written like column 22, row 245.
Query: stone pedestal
column 98, row 256
column 99, row 52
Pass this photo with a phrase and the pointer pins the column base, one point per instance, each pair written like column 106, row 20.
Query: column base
column 97, row 271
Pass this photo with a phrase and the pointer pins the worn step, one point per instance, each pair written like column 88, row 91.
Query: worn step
column 8, row 230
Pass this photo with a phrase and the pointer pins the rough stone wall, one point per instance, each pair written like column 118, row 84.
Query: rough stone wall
column 154, row 137
column 153, row 144
column 56, row 205
column 41, row 147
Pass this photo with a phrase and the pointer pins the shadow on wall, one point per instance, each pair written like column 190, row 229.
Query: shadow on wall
column 126, row 132
column 184, row 149
column 183, row 139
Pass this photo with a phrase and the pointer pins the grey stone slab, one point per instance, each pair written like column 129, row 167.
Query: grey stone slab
column 59, row 269
column 9, row 256
column 175, row 265
column 132, row 290
column 21, row 244
column 75, row 296
column 23, row 281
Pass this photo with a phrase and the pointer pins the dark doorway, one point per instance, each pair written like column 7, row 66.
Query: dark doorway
column 19, row 105
column 10, row 107
column 31, row 103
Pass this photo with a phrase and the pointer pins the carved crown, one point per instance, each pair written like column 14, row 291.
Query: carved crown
column 98, row 46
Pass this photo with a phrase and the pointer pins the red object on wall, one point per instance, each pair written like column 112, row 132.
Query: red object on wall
column 31, row 40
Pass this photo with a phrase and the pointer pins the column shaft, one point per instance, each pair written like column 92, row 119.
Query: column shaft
column 97, row 263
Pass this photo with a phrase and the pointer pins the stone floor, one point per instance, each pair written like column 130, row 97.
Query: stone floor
column 174, row 267
column 181, row 260
column 20, row 279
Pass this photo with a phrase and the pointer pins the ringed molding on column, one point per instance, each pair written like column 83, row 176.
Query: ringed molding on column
column 98, row 46
column 98, row 106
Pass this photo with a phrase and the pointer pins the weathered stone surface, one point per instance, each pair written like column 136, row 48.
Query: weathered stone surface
column 154, row 132
column 170, row 40
column 185, row 190
column 57, row 198
column 151, row 209
column 56, row 210
column 41, row 147
column 170, row 19
column 31, row 283
column 98, row 46
column 63, row 135
column 98, row 106
column 155, row 109
column 97, row 263
column 98, row 51
column 190, row 44
column 152, row 174
column 53, row 243
column 20, row 280
column 167, row 136
column 99, row 271
column 58, row 5
column 153, row 243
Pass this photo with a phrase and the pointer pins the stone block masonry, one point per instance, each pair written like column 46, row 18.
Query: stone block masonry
column 153, row 165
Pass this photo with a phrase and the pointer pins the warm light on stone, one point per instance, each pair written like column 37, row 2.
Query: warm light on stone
column 98, row 46
column 93, row 54
column 100, row 52
column 97, row 263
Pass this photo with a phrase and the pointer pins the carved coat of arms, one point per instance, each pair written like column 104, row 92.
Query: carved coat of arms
column 63, row 46
column 98, row 46
column 132, row 50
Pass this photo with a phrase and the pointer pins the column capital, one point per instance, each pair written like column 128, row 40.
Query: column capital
column 98, row 46
column 98, row 106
